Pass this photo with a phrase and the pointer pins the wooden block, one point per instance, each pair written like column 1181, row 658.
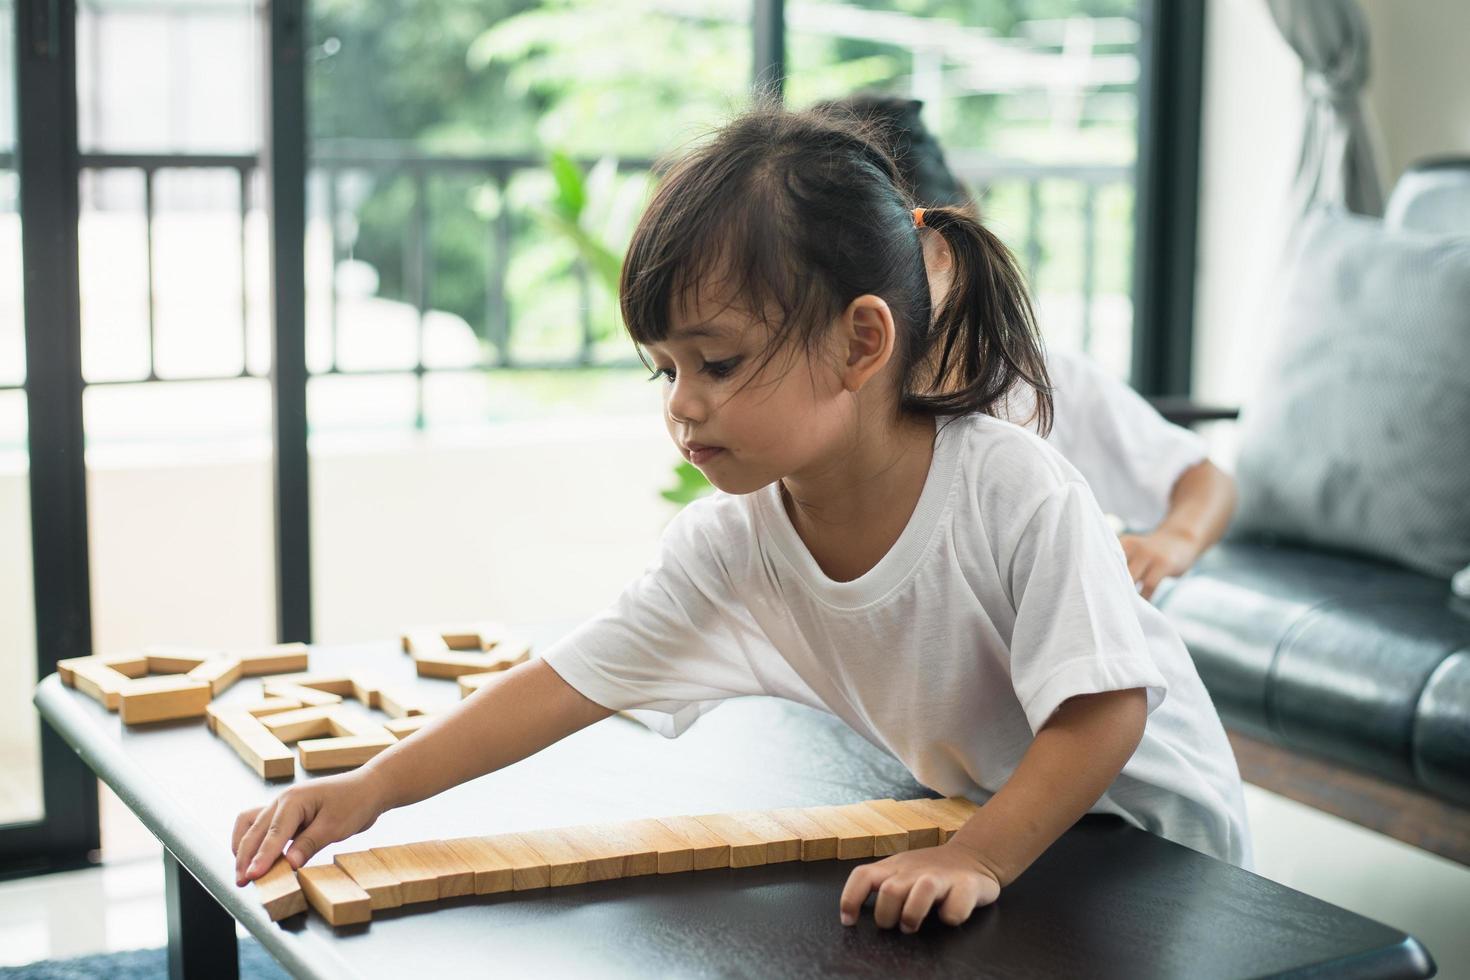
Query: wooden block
column 259, row 709
column 416, row 881
column 950, row 815
column 453, row 875
column 398, row 703
column 492, row 869
column 99, row 680
column 673, row 853
column 310, row 722
column 818, row 843
column 708, row 849
column 342, row 752
column 923, row 831
column 220, row 673
column 782, row 844
column 306, row 695
column 175, row 660
column 274, row 660
column 470, row 683
column 450, row 664
column 614, row 851
column 162, row 699
column 458, row 636
column 345, row 723
column 528, row 869
column 373, row 877
column 338, row 684
column 335, row 896
column 280, row 892
column 253, row 742
column 566, row 861
column 888, row 837
column 423, row 641
column 747, row 848
column 853, row 839
column 365, row 691
column 401, row 728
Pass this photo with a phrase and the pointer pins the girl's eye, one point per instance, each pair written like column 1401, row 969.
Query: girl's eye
column 722, row 369
column 715, row 369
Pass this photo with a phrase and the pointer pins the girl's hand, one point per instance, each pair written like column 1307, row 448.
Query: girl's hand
column 1158, row 555
column 310, row 816
column 910, row 883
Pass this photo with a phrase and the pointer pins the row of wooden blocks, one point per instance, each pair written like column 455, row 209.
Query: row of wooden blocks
column 307, row 709
column 162, row 684
column 347, row 891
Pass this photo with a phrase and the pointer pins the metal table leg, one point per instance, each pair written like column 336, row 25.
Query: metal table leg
column 201, row 934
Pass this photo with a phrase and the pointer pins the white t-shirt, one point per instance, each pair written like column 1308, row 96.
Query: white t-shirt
column 1129, row 454
column 1005, row 594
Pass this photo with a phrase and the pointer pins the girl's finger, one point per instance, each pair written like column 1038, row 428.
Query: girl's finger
column 926, row 891
column 307, row 842
column 1151, row 581
column 962, row 900
column 250, row 842
column 891, row 896
column 242, row 824
column 289, row 817
column 859, row 885
column 1140, row 576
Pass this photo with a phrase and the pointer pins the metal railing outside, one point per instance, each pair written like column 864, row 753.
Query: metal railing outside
column 981, row 174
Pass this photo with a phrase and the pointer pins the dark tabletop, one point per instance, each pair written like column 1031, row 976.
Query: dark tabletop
column 1107, row 900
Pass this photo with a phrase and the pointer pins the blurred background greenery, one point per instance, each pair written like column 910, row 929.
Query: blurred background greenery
column 584, row 94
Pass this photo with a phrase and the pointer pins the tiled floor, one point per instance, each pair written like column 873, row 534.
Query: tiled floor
column 120, row 905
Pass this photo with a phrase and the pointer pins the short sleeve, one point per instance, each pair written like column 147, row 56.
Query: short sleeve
column 675, row 639
column 1076, row 628
column 1129, row 454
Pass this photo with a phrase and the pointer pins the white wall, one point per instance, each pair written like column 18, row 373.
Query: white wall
column 1418, row 93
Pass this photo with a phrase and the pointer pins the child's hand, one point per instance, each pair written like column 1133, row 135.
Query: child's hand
column 911, row 883
column 1158, row 555
column 310, row 816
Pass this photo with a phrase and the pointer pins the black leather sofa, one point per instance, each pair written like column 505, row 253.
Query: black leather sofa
column 1344, row 681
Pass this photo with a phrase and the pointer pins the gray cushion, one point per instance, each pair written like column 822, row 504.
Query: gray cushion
column 1360, row 435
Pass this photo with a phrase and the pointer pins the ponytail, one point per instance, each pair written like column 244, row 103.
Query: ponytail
column 983, row 341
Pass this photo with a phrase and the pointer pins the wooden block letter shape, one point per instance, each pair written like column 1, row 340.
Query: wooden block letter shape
column 163, row 699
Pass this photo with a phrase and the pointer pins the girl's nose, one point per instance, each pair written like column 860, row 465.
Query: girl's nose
column 684, row 402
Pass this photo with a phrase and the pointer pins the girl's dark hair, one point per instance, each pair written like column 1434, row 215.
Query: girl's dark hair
column 898, row 125
column 793, row 215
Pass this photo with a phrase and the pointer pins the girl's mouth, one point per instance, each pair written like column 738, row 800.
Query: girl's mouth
column 699, row 454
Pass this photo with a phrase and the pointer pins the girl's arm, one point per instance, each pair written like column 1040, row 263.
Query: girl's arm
column 520, row 714
column 1200, row 508
column 1073, row 760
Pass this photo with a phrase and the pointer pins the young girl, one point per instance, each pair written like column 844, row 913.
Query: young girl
column 882, row 548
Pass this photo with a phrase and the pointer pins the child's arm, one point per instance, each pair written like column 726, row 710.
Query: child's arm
column 1200, row 507
column 522, row 713
column 1073, row 760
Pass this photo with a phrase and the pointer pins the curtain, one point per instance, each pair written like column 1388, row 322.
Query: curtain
column 1337, row 161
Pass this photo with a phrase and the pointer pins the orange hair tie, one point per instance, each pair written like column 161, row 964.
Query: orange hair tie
column 918, row 217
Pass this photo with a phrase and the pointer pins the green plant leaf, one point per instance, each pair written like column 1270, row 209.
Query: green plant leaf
column 571, row 188
column 690, row 485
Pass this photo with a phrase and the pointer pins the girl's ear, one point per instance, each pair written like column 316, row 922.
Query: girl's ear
column 868, row 335
column 938, row 265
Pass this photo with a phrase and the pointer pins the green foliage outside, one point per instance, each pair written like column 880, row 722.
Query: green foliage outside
column 608, row 80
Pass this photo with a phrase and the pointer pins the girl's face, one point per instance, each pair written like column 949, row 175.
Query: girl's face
column 743, row 420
